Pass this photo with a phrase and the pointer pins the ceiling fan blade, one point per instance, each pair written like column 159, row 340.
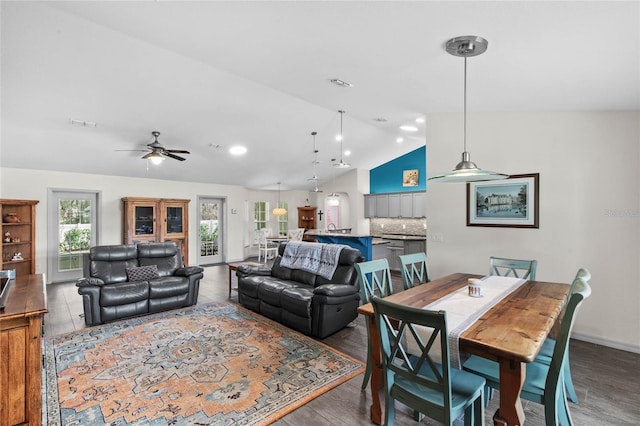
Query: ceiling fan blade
column 144, row 157
column 175, row 157
column 131, row 150
column 177, row 151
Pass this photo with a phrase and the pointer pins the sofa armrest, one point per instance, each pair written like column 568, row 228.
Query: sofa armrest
column 245, row 270
column 188, row 270
column 335, row 290
column 86, row 282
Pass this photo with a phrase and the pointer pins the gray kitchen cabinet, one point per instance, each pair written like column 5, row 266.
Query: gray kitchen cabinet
column 394, row 205
column 369, row 206
column 382, row 205
column 419, row 204
column 406, row 205
column 416, row 246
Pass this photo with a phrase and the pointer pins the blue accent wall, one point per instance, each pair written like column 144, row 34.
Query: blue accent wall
column 388, row 176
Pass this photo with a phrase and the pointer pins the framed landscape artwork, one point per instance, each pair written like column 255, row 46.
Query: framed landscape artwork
column 510, row 203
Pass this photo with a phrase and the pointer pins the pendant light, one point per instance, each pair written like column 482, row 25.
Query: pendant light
column 315, row 177
column 341, row 164
column 279, row 211
column 466, row 170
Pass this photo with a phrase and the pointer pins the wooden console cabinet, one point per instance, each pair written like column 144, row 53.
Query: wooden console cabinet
column 148, row 220
column 21, row 353
column 21, row 235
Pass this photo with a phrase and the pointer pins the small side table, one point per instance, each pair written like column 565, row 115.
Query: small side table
column 233, row 267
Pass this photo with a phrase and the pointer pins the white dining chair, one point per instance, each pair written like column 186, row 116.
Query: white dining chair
column 266, row 247
column 295, row 234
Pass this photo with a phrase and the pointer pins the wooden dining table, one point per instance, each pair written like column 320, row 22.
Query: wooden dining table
column 510, row 333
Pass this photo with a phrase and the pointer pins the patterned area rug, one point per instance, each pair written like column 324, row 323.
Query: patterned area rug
column 214, row 364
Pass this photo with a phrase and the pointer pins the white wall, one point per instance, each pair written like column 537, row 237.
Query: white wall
column 589, row 207
column 34, row 184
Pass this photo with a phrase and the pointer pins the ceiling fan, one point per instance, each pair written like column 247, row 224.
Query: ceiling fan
column 156, row 152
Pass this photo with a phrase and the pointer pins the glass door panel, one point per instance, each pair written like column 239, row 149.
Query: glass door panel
column 73, row 225
column 210, row 231
column 144, row 223
column 174, row 220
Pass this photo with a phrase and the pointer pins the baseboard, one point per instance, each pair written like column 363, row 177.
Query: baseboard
column 606, row 342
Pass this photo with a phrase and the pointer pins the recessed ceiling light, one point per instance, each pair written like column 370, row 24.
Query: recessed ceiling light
column 347, row 153
column 341, row 83
column 408, row 128
column 338, row 138
column 237, row 150
column 420, row 120
column 399, row 140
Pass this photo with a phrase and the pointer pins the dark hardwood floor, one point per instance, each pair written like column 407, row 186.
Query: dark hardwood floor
column 607, row 380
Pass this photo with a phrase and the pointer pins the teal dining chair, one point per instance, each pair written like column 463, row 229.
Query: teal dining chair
column 414, row 269
column 375, row 279
column 544, row 383
column 513, row 267
column 546, row 352
column 416, row 380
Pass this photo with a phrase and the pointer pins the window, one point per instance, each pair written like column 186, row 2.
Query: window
column 283, row 221
column 259, row 218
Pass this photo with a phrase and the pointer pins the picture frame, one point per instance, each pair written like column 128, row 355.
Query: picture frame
column 507, row 203
column 410, row 177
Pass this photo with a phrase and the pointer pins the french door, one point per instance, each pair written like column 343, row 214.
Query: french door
column 72, row 229
column 210, row 230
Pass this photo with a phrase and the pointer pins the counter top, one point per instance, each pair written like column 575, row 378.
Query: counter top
column 377, row 239
column 321, row 232
column 401, row 237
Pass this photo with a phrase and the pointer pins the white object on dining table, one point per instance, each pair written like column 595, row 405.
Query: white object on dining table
column 475, row 287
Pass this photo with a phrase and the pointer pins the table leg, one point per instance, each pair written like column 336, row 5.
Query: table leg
column 375, row 384
column 512, row 375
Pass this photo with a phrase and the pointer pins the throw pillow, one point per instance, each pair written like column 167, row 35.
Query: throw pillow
column 142, row 273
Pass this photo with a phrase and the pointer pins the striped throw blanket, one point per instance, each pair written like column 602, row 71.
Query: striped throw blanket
column 318, row 258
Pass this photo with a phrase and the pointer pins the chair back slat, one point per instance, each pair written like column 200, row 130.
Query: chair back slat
column 517, row 268
column 414, row 269
column 375, row 279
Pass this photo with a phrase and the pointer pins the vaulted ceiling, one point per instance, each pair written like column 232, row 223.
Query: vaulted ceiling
column 212, row 75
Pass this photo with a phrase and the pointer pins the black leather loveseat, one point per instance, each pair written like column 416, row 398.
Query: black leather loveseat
column 122, row 281
column 302, row 300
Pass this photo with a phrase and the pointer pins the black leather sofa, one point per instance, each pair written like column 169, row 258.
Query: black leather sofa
column 122, row 281
column 301, row 300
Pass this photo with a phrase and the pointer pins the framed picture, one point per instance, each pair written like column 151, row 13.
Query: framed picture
column 410, row 178
column 509, row 203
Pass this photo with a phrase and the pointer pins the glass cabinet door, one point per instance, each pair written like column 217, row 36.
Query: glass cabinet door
column 144, row 220
column 174, row 220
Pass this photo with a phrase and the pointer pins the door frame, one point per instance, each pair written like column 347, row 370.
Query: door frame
column 222, row 227
column 53, row 194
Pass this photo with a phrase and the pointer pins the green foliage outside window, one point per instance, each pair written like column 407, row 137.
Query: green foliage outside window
column 76, row 240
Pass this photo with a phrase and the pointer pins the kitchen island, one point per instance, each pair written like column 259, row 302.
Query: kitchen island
column 362, row 242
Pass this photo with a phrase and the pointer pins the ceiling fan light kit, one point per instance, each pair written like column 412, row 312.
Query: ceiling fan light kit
column 157, row 153
column 466, row 170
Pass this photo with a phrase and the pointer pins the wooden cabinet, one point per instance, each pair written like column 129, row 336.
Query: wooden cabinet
column 18, row 235
column 155, row 220
column 21, row 353
column 307, row 217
